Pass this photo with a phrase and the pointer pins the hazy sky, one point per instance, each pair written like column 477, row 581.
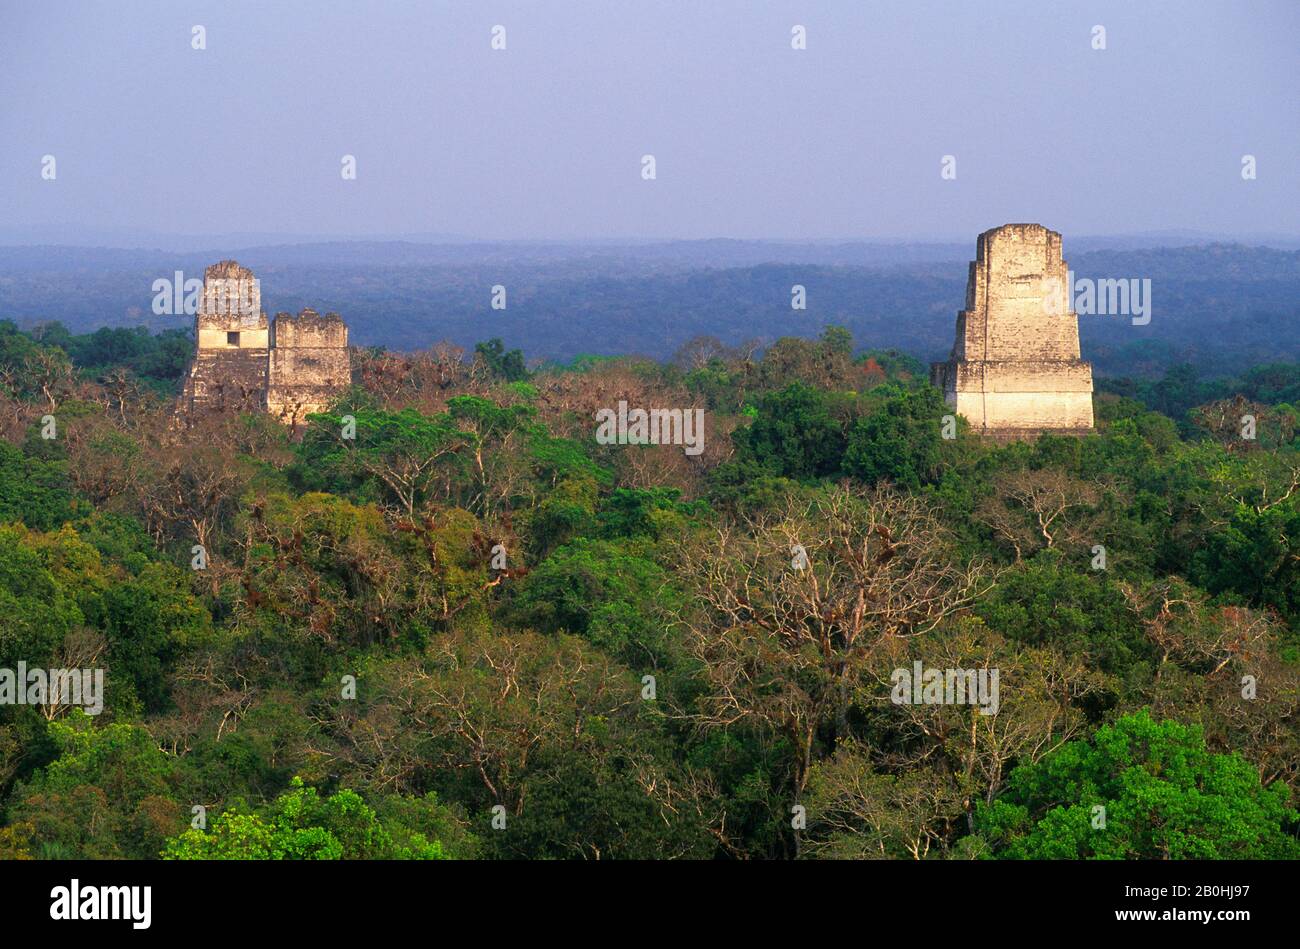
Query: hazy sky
column 751, row 138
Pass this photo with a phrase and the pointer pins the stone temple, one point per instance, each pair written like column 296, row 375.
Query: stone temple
column 289, row 368
column 1015, row 369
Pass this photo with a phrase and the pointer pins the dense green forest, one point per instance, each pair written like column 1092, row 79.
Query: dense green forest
column 443, row 621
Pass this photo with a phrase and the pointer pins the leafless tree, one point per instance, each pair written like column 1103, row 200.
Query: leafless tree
column 790, row 606
column 82, row 648
column 1035, row 509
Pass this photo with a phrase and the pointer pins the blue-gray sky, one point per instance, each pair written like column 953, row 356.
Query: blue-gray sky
column 752, row 139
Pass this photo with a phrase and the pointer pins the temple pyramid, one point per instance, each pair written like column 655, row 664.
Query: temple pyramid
column 1015, row 369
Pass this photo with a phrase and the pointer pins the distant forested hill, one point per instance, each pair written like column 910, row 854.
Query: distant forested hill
column 1220, row 307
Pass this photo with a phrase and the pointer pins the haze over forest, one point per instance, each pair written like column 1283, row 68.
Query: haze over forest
column 680, row 551
column 523, row 166
column 1220, row 306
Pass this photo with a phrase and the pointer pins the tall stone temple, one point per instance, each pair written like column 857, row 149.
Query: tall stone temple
column 1015, row 369
column 289, row 368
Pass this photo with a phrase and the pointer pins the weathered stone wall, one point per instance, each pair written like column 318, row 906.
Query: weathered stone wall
column 309, row 364
column 226, row 375
column 1015, row 363
column 290, row 368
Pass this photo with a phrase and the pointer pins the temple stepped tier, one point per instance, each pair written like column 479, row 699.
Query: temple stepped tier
column 1015, row 369
column 291, row 367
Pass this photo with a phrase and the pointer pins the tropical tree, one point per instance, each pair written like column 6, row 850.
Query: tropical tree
column 1140, row 789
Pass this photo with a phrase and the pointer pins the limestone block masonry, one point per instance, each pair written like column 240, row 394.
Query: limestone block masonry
column 309, row 364
column 291, row 367
column 1015, row 369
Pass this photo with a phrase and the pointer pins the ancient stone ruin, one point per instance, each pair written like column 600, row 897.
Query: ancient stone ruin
column 1015, row 369
column 291, row 367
